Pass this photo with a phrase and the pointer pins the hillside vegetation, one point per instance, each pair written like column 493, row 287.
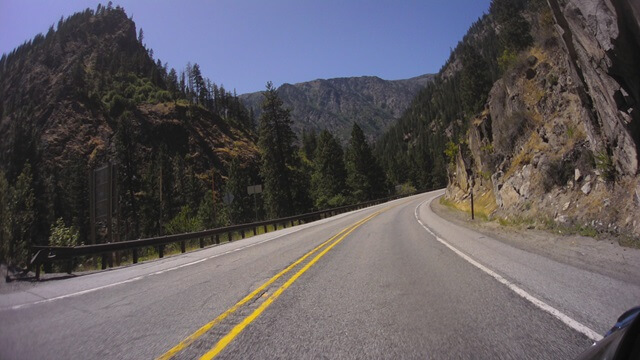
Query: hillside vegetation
column 88, row 92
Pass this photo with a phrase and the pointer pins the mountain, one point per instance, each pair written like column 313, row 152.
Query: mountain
column 88, row 93
column 536, row 113
column 335, row 104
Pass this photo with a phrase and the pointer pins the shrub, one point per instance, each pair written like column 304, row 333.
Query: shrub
column 406, row 189
column 451, row 151
column 556, row 173
column 61, row 235
column 184, row 222
column 605, row 165
column 507, row 59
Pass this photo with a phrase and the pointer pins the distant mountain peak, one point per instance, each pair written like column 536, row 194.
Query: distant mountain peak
column 336, row 103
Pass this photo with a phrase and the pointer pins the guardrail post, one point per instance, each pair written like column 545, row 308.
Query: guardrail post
column 217, row 239
column 161, row 251
column 242, row 233
column 135, row 256
column 230, row 238
column 265, row 229
column 292, row 223
column 255, row 230
column 37, row 271
column 183, row 246
column 201, row 243
column 70, row 266
column 104, row 261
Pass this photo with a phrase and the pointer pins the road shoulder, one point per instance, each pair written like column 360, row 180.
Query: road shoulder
column 604, row 256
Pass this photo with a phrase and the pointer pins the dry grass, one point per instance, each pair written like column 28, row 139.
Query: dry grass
column 524, row 157
column 539, row 53
column 532, row 93
column 484, row 205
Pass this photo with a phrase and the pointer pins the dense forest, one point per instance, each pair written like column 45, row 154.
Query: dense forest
column 90, row 93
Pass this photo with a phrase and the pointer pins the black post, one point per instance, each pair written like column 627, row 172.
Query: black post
column 201, row 243
column 161, row 251
column 265, row 229
column 135, row 256
column 104, row 261
column 70, row 266
column 472, row 212
column 217, row 239
column 183, row 247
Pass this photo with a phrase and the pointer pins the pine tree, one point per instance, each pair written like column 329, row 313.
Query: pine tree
column 22, row 217
column 198, row 83
column 150, row 201
column 5, row 217
column 277, row 152
column 514, row 29
column 241, row 209
column 172, row 84
column 365, row 177
column 309, row 143
column 475, row 83
column 329, row 173
column 128, row 176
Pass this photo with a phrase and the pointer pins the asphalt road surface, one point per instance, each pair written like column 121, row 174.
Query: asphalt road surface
column 390, row 281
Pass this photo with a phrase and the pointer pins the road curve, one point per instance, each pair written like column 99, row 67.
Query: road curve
column 382, row 282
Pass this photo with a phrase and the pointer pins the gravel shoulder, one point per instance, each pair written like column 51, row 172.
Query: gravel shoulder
column 603, row 256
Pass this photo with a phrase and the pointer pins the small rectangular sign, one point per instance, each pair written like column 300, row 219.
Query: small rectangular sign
column 254, row 189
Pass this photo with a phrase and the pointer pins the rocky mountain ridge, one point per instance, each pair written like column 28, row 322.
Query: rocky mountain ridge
column 336, row 103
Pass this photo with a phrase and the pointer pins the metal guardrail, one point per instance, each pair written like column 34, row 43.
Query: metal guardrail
column 47, row 254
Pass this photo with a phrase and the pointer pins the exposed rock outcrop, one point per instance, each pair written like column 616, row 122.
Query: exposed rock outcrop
column 560, row 135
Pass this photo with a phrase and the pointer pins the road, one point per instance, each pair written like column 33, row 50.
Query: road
column 390, row 281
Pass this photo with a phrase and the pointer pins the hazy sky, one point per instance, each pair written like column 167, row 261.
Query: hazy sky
column 243, row 44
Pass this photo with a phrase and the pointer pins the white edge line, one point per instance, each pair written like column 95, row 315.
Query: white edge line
column 579, row 327
column 20, row 306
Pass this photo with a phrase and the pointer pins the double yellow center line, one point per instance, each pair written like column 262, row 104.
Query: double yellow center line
column 222, row 343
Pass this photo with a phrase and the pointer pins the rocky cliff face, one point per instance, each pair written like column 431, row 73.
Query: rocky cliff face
column 336, row 103
column 560, row 135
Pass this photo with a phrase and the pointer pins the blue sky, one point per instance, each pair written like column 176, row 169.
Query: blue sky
column 243, row 44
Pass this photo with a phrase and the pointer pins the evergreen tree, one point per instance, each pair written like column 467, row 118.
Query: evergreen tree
column 172, row 84
column 309, row 143
column 475, row 83
column 514, row 29
column 277, row 152
column 199, row 87
column 329, row 173
column 23, row 217
column 150, row 201
column 241, row 209
column 365, row 177
column 128, row 177
column 5, row 217
column 73, row 197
